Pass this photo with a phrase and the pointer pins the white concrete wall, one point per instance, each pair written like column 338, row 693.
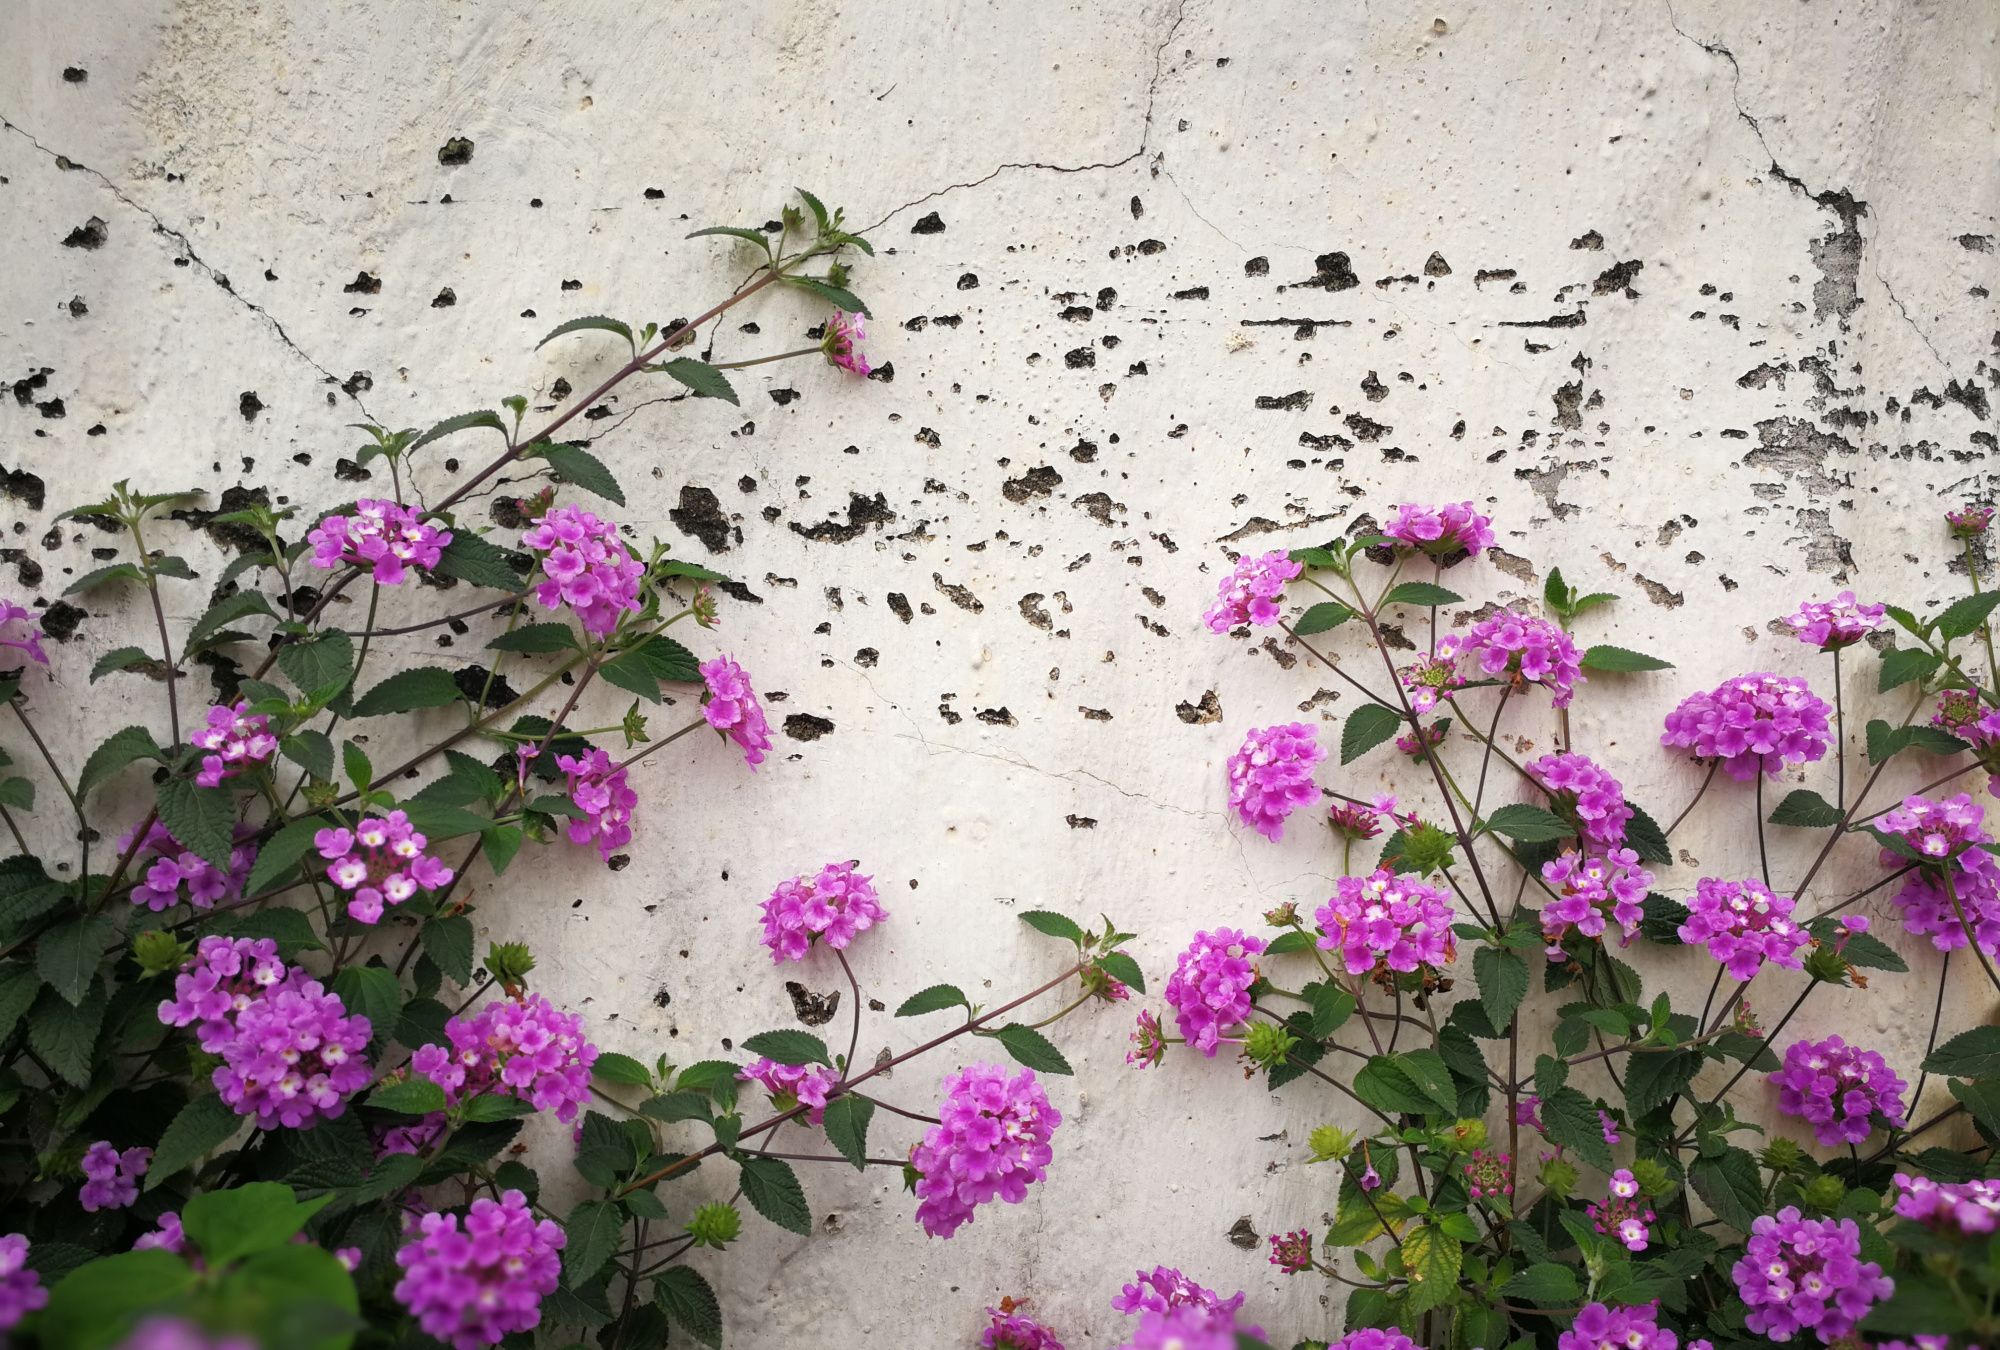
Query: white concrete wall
column 1778, row 403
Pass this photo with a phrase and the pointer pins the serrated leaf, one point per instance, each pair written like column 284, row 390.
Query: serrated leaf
column 1528, row 824
column 814, row 205
column 201, row 1127
column 126, row 746
column 1053, row 924
column 1331, row 1007
column 1886, row 742
column 1421, row 593
column 846, row 1126
column 281, row 851
column 590, row 323
column 1315, row 557
column 1028, row 1046
column 640, row 669
column 1123, row 969
column 1287, row 943
column 1644, row 837
column 773, row 1190
column 484, row 417
column 592, row 1229
column 734, row 232
column 1982, row 1100
column 472, row 559
column 837, row 296
column 788, row 1047
column 676, row 567
column 934, row 999
column 18, row 986
column 1547, row 1283
column 1970, row 1054
column 1571, row 1120
column 64, row 1036
column 1901, row 665
column 67, row 956
column 96, row 577
column 409, row 690
column 411, row 1097
column 437, row 822
column 355, row 763
column 374, row 993
column 1857, row 949
column 1431, row 1260
column 122, row 658
column 676, row 1106
column 311, row 751
column 289, row 928
column 324, row 663
column 18, row 793
column 241, row 605
column 1417, row 1084
column 1503, row 983
column 613, row 1067
column 448, row 941
column 684, row 1296
column 701, row 379
column 536, row 638
column 1807, row 809
column 1621, row 659
column 1323, row 617
column 203, row 819
column 1367, row 726
column 1652, row 1078
column 1964, row 616
column 1732, row 1186
column 577, row 466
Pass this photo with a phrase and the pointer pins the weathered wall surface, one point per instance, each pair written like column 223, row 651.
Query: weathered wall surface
column 1694, row 297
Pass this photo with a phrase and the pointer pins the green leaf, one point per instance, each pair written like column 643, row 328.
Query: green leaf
column 1503, row 983
column 1323, row 617
column 311, row 751
column 788, row 1047
column 590, row 323
column 1315, row 557
column 289, row 1289
column 1571, row 1120
column 241, row 605
column 676, row 567
column 735, row 232
column 1053, row 924
column 934, row 999
column 67, row 956
column 438, row 823
column 846, row 1126
column 1652, row 1078
column 1331, row 1007
column 18, row 793
column 121, row 658
column 536, row 638
column 472, row 559
column 203, row 819
column 1857, row 949
column 1421, row 593
column 592, row 1229
column 289, row 928
column 640, row 669
column 448, row 941
column 96, row 577
column 1528, row 824
column 716, row 1077
column 1970, row 1054
column 1555, row 591
column 1732, row 1185
column 372, row 992
column 1901, row 665
column 1885, row 741
column 485, row 417
column 18, row 986
column 1028, row 1046
column 409, row 690
column 1415, row 1084
column 1431, row 1259
column 575, row 465
column 837, row 296
column 229, row 1225
column 813, row 204
column 1644, row 837
column 202, row 1126
column 613, row 1067
column 324, row 663
column 674, row 1106
column 92, row 1306
column 1806, row 808
column 281, row 851
column 120, row 748
column 1367, row 727
column 773, row 1191
column 1546, row 1282
column 684, row 1296
column 411, row 1097
column 1286, row 944
column 1921, row 1305
column 702, row 379
column 1964, row 616
column 494, row 1106
column 1621, row 659
column 1124, row 969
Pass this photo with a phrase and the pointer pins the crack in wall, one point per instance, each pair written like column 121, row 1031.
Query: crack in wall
column 1910, row 319
column 207, row 269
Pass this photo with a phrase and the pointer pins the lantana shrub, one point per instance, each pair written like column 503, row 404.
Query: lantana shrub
column 1557, row 1155
column 257, row 1086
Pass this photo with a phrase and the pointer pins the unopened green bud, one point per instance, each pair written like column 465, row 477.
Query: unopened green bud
column 1328, row 1143
column 1652, row 1176
column 1823, row 1192
column 1426, row 848
column 1268, row 1043
column 1560, row 1177
column 635, row 726
column 320, row 796
column 1782, row 1155
column 509, row 963
column 157, row 952
column 1466, row 1135
column 715, row 1225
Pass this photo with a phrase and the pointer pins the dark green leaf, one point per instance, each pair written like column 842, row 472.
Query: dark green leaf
column 1528, row 824
column 592, row 1229
column 66, row 957
column 289, row 928
column 494, row 1106
column 716, row 1077
column 65, row 1036
column 485, row 417
column 1054, row 924
column 1416, row 1084
column 575, row 465
column 411, row 1097
column 372, row 992
column 203, row 1126
column 1645, row 838
column 616, row 1068
column 933, row 999
column 123, row 747
column 324, row 663
column 676, row 567
column 1857, row 949
column 1421, row 593
column 788, row 1047
column 683, row 1295
column 1315, row 557
column 537, row 638
column 1901, row 665
column 1288, row 943
column 442, row 822
column 1331, row 1007
column 241, row 605
column 734, row 232
column 1885, row 741
column 1431, row 1259
column 281, row 851
column 1621, row 659
column 773, row 1190
column 1970, row 1054
column 121, row 658
column 1807, row 809
column 472, row 559
column 409, row 690
column 1323, row 617
column 1555, row 591
column 1124, row 969
column 846, row 1127
column 1652, row 1078
column 1368, row 726
column 1964, row 616
column 18, row 793
column 1571, row 1121
column 702, row 379
column 203, row 819
column 311, row 751
column 1982, row 1100
column 674, row 1106
column 96, row 577
column 448, row 941
column 641, row 668
column 92, row 1305
column 837, row 296
column 18, row 986
column 1921, row 1305
column 1547, row 1283
column 1732, row 1185
column 1031, row 1048
column 589, row 322
column 1503, row 983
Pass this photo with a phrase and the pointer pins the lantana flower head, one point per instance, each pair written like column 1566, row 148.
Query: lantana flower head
column 1938, row 829
column 991, row 1142
column 1421, row 742
column 1927, row 907
column 1292, row 1252
column 1582, row 791
column 585, row 565
column 1374, row 1338
column 1592, row 892
column 1386, row 921
column 1448, row 532
column 1149, row 1044
column 1210, row 986
column 382, row 537
column 1967, row 716
column 732, row 708
column 1488, row 1174
column 792, row 1085
column 381, row 861
column 21, row 631
column 1271, row 776
column 1968, row 1207
column 1840, row 1089
column 842, row 343
column 1744, row 923
column 1600, row 1326
column 1969, row 521
column 1624, row 1214
column 1755, row 722
column 833, row 905
column 225, row 977
column 1175, row 1313
column 1832, row 624
column 111, row 1178
column 236, row 740
column 1252, row 592
column 1806, row 1275
column 1523, row 650
column 1431, row 678
column 1012, row 1329
column 21, row 1289
column 174, row 874
column 1352, row 820
column 1164, row 1288
column 602, row 791
column 525, row 1048
column 472, row 1286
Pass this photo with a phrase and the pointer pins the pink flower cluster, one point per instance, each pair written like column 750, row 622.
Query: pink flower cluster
column 1586, row 794
column 1832, row 624
column 1623, row 1215
column 1938, row 829
column 1755, row 721
column 236, row 739
column 1271, row 776
column 842, row 345
column 174, row 868
column 732, row 708
column 1210, row 986
column 1965, row 715
column 27, row 639
column 1292, row 1252
column 1839, row 1089
column 1386, row 922
column 1175, row 1313
column 585, row 566
column 1745, row 923
column 1969, row 521
column 1800, row 1274
column 381, row 536
column 1432, row 678
column 1149, row 1046
column 1447, row 532
column 291, row 1053
column 1526, row 650
column 601, row 790
column 472, row 1287
column 792, row 1085
column 1950, row 832
column 991, row 1141
column 1599, row 1326
column 21, row 1289
column 1252, row 592
column 111, row 1178
column 1489, row 1174
column 1969, row 1207
column 381, row 860
column 1374, row 1338
column 525, row 1048
column 834, row 905
column 1011, row 1330
column 1592, row 892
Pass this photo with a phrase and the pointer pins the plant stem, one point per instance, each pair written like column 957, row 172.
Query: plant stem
column 160, row 618
column 1713, row 766
column 765, row 360
column 1763, row 857
column 1972, row 938
column 854, row 1036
